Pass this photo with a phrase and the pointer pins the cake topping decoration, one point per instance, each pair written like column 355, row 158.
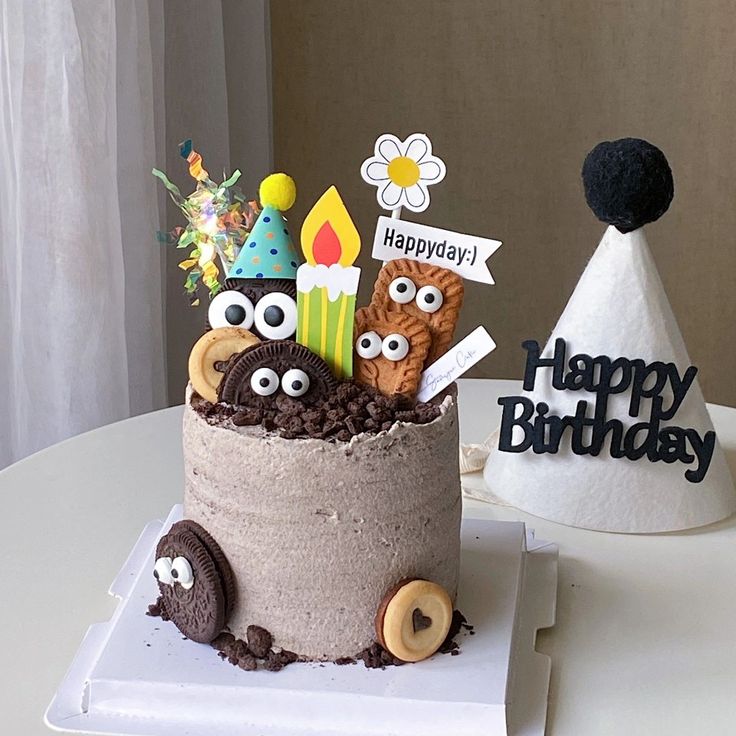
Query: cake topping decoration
column 327, row 283
column 218, row 221
column 436, row 298
column 424, row 267
column 402, row 171
column 210, row 355
column 162, row 571
column 181, row 572
column 456, row 361
column 266, row 307
column 390, row 348
column 269, row 252
column 260, row 375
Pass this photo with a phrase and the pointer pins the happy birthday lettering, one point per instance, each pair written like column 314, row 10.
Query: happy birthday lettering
column 661, row 383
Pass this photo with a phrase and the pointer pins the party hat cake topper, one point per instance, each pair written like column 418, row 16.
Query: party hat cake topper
column 611, row 431
column 269, row 252
column 327, row 284
column 218, row 221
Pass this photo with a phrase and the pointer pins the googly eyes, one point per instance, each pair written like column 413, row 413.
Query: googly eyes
column 429, row 299
column 402, row 290
column 295, row 382
column 168, row 571
column 162, row 570
column 231, row 309
column 264, row 381
column 181, row 572
column 368, row 345
column 275, row 316
column 395, row 347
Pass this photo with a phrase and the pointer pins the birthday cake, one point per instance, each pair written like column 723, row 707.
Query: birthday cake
column 322, row 497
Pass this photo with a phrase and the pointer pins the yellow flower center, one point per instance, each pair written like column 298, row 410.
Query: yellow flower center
column 403, row 171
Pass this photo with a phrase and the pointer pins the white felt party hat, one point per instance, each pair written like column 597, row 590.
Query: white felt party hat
column 618, row 309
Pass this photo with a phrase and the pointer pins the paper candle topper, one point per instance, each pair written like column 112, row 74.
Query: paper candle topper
column 327, row 283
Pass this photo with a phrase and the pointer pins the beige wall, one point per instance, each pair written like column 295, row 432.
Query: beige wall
column 513, row 94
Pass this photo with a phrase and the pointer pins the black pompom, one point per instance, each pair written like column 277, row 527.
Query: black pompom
column 628, row 183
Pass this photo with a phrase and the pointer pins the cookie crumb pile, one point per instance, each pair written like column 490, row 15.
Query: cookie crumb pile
column 255, row 653
column 352, row 409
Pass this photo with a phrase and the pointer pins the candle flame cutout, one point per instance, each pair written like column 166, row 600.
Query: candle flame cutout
column 329, row 235
column 327, row 283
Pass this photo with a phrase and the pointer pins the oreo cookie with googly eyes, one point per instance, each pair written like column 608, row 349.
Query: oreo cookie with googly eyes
column 196, row 583
column 259, row 375
column 265, row 307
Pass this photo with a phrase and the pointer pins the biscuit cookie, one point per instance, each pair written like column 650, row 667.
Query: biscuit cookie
column 430, row 293
column 390, row 350
column 413, row 619
column 211, row 353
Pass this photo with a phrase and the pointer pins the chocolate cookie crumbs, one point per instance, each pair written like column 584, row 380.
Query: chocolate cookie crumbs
column 375, row 657
column 225, row 639
column 157, row 609
column 349, row 410
column 248, row 663
column 459, row 622
column 256, row 653
column 259, row 641
column 276, row 661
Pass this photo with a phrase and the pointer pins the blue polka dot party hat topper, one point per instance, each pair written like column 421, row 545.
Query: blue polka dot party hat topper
column 269, row 253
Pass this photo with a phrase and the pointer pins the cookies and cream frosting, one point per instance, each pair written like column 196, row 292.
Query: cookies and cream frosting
column 316, row 532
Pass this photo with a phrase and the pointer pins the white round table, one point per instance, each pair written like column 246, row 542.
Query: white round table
column 645, row 640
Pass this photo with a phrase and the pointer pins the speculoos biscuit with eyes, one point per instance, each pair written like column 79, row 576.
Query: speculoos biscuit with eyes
column 390, row 350
column 426, row 292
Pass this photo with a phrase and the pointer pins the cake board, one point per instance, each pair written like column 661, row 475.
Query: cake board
column 137, row 675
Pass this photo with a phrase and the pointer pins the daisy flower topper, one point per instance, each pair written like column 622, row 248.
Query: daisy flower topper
column 402, row 172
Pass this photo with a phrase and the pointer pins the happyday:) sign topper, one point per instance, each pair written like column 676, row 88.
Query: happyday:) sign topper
column 464, row 254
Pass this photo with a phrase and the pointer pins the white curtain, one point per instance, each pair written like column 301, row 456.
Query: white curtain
column 80, row 271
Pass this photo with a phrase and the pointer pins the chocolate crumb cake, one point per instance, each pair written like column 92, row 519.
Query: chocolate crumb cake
column 322, row 501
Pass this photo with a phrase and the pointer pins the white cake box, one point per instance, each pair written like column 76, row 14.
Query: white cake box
column 137, row 675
